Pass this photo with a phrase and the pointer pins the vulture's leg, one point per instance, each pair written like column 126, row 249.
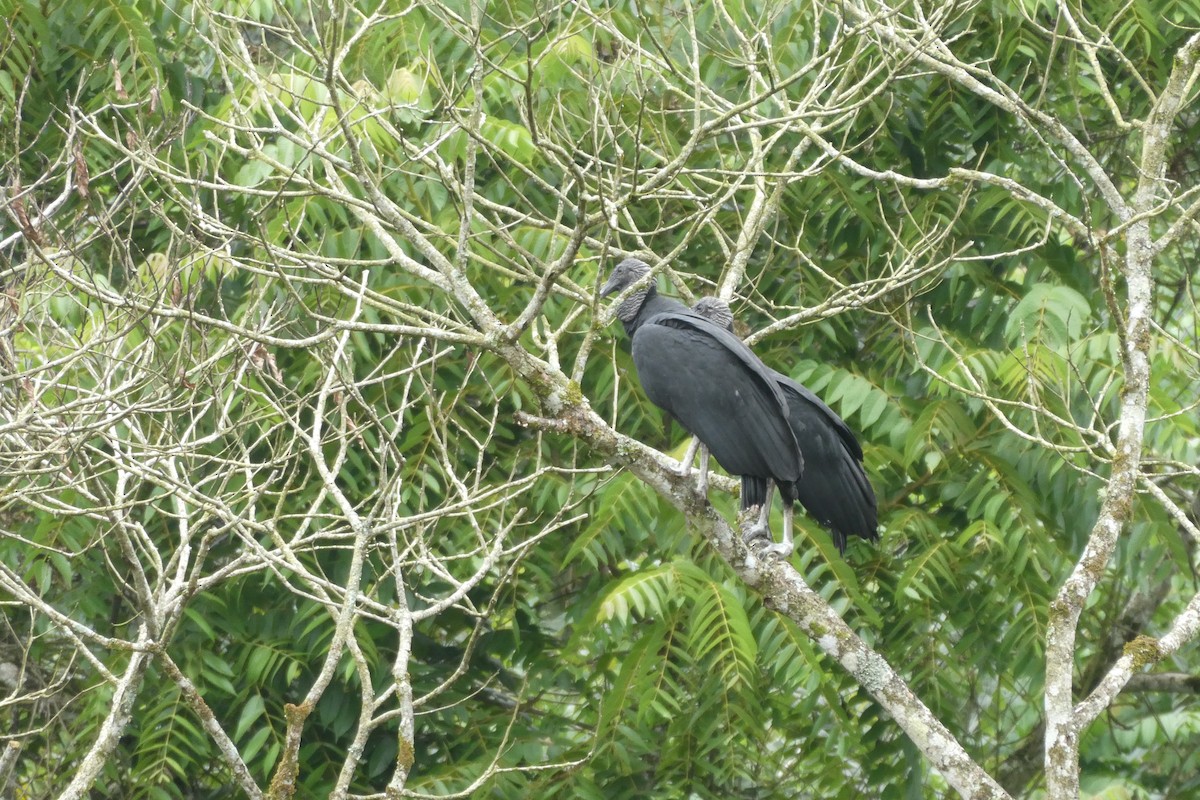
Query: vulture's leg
column 686, row 465
column 762, row 528
column 784, row 548
column 702, row 484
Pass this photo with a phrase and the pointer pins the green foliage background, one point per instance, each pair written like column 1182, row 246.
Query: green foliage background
column 619, row 640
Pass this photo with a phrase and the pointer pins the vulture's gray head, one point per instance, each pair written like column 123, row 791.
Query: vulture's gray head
column 716, row 311
column 625, row 274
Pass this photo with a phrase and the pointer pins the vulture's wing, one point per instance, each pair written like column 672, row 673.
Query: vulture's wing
column 711, row 382
column 834, row 488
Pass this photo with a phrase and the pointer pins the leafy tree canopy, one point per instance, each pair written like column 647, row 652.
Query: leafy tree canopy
column 326, row 473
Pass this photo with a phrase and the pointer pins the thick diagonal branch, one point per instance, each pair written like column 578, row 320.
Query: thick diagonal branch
column 783, row 589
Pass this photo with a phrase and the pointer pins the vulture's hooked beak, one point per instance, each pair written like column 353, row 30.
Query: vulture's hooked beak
column 610, row 286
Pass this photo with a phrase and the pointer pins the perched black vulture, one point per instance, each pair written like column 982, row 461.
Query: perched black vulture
column 709, row 381
column 834, row 489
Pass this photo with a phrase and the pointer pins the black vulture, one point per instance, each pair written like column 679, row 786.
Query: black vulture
column 834, row 489
column 710, row 382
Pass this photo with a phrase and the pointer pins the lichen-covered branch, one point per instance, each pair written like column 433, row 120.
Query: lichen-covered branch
column 1063, row 727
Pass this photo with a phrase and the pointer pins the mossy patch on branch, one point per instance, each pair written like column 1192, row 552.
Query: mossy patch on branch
column 1144, row 650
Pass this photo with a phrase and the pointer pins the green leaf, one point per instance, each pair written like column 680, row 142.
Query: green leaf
column 251, row 712
column 1054, row 313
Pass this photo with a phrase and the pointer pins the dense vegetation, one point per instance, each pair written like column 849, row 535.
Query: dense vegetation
column 299, row 342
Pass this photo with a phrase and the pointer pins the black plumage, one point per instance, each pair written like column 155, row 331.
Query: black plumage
column 709, row 381
column 834, row 488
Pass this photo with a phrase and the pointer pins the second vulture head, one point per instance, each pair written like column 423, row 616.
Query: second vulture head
column 716, row 311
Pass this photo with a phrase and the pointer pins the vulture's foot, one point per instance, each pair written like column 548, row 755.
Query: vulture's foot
column 757, row 536
column 781, row 549
column 755, row 527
